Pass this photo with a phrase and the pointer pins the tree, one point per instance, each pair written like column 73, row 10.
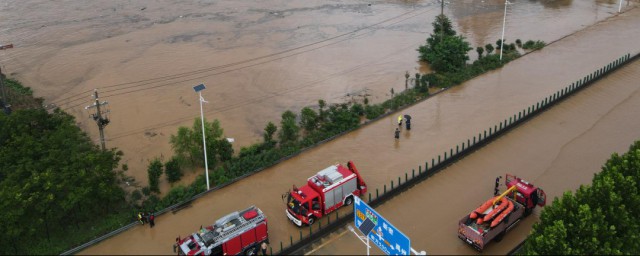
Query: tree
column 224, row 150
column 442, row 28
column 289, row 129
column 49, row 173
column 489, row 48
column 154, row 171
column 269, row 130
column 444, row 51
column 184, row 145
column 172, row 170
column 480, row 50
column 597, row 219
column 450, row 56
column 321, row 115
column 308, row 119
column 187, row 144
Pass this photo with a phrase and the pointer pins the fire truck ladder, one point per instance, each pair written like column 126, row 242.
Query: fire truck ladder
column 240, row 225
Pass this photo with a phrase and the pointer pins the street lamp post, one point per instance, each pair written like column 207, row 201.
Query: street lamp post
column 198, row 89
column 620, row 6
column 504, row 22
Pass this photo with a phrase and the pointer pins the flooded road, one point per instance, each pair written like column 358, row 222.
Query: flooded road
column 559, row 150
column 257, row 58
column 440, row 123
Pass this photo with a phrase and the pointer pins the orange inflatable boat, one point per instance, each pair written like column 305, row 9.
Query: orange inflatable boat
column 496, row 210
column 503, row 215
column 482, row 208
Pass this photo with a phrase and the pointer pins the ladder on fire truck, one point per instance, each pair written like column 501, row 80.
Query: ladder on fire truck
column 236, row 223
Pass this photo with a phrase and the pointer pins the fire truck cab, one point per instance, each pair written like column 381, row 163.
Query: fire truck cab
column 324, row 192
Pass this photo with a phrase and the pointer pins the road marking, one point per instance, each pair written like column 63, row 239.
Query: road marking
column 325, row 243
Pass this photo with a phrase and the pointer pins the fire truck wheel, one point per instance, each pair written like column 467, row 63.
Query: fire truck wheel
column 349, row 200
column 253, row 250
column 312, row 220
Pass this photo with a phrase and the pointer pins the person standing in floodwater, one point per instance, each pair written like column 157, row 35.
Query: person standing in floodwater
column 152, row 218
column 176, row 245
column 497, row 188
column 263, row 248
column 408, row 121
column 397, row 133
column 400, row 120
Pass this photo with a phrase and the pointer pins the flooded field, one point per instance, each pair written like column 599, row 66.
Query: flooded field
column 440, row 123
column 257, row 58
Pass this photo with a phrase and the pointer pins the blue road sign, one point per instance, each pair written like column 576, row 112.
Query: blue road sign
column 199, row 87
column 388, row 238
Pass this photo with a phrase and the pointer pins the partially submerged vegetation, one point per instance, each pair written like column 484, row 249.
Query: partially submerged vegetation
column 446, row 54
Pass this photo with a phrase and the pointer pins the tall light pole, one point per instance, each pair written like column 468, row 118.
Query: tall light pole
column 198, row 89
column 504, row 22
column 620, row 6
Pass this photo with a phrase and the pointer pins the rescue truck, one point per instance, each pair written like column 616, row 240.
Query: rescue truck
column 237, row 233
column 324, row 192
column 495, row 217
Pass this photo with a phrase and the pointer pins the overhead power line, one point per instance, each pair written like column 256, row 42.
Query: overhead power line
column 70, row 99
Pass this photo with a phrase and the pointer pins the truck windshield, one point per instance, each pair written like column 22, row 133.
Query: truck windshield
column 295, row 206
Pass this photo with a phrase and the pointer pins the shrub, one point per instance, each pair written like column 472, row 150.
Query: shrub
column 172, row 170
column 136, row 195
column 489, row 48
column 154, row 172
column 480, row 50
column 534, row 45
column 146, row 191
column 372, row 112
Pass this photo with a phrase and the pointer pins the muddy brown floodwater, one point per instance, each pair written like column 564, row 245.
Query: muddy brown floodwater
column 558, row 151
column 439, row 124
column 257, row 58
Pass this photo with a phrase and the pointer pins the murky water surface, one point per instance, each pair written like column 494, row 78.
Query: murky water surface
column 558, row 151
column 261, row 58
column 257, row 58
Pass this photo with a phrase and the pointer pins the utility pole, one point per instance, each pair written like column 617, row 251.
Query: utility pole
column 5, row 102
column 101, row 121
column 442, row 21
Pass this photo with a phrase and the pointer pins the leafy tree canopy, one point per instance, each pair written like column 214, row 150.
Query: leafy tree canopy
column 600, row 219
column 444, row 51
column 51, row 177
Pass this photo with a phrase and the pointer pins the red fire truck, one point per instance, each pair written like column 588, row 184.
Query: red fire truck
column 491, row 220
column 324, row 192
column 237, row 233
